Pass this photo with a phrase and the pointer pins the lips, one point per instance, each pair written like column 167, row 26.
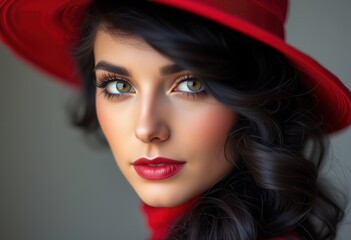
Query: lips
column 157, row 168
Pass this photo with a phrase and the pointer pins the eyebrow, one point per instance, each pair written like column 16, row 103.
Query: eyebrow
column 102, row 65
column 164, row 70
column 170, row 69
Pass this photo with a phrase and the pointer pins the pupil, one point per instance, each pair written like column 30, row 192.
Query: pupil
column 122, row 87
column 194, row 85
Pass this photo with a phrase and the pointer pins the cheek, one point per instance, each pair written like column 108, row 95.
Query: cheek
column 208, row 128
column 113, row 121
column 105, row 118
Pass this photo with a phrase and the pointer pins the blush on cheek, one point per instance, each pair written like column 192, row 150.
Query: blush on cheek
column 214, row 125
column 101, row 115
column 108, row 119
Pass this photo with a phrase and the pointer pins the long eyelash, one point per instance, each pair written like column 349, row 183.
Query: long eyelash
column 188, row 95
column 110, row 96
column 108, row 77
column 188, row 76
column 195, row 95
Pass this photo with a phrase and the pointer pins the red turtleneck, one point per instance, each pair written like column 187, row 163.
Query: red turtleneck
column 160, row 219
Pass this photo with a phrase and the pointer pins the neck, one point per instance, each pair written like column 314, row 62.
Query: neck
column 161, row 219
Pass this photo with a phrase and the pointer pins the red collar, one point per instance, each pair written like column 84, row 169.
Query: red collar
column 160, row 219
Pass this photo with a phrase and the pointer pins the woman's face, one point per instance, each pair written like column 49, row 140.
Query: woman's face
column 162, row 116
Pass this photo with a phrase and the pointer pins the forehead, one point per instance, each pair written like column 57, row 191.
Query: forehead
column 113, row 47
column 105, row 34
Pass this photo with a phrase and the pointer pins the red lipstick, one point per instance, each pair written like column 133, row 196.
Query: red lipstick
column 158, row 168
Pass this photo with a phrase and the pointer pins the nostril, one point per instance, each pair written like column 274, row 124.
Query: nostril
column 153, row 134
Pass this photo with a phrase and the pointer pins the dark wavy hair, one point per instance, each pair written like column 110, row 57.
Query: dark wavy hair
column 280, row 137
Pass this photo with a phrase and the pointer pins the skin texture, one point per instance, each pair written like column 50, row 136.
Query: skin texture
column 155, row 118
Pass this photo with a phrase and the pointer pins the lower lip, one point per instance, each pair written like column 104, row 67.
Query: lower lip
column 158, row 172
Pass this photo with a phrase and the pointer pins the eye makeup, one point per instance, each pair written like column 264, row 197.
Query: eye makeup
column 112, row 84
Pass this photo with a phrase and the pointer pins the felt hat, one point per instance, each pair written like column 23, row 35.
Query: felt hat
column 42, row 32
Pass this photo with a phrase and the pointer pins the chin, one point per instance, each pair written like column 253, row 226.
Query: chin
column 164, row 201
column 166, row 198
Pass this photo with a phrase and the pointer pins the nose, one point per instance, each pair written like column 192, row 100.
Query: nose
column 151, row 123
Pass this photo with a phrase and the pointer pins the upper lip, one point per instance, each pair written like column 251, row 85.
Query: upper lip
column 157, row 160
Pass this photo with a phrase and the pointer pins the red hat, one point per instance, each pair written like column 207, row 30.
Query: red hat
column 42, row 31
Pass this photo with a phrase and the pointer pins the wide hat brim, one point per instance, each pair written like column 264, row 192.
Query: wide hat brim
column 42, row 32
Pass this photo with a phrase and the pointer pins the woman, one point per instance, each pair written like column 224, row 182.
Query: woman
column 244, row 127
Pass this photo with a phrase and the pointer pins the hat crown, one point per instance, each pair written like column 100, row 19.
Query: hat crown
column 278, row 8
column 269, row 15
column 266, row 16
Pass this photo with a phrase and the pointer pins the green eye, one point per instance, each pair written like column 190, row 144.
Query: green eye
column 123, row 86
column 118, row 87
column 191, row 85
column 194, row 85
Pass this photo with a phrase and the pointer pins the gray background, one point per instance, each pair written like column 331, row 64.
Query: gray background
column 56, row 185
